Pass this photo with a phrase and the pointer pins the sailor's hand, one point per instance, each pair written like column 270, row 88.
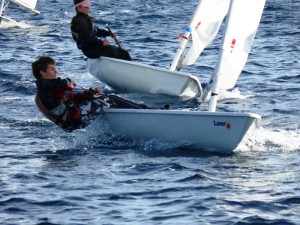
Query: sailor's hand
column 73, row 83
column 180, row 36
column 114, row 35
column 95, row 91
column 98, row 90
column 105, row 42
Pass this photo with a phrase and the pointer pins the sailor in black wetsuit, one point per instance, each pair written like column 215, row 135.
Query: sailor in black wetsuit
column 58, row 102
column 88, row 36
column 56, row 99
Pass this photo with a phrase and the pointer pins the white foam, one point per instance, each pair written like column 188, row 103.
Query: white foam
column 264, row 139
column 11, row 24
column 232, row 94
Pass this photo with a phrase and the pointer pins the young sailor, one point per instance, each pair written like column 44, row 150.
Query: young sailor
column 56, row 99
column 89, row 38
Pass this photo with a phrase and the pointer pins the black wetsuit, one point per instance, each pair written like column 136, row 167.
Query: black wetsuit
column 87, row 37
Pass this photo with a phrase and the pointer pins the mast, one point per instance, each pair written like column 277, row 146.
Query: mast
column 202, row 29
column 215, row 87
column 181, row 49
column 177, row 61
column 239, row 32
column 1, row 8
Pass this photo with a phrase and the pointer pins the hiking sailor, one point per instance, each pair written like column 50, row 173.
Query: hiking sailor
column 88, row 36
column 56, row 99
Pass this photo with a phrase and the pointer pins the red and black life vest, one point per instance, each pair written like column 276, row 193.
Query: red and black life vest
column 57, row 119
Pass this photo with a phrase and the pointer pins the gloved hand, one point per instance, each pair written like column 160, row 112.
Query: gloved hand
column 95, row 91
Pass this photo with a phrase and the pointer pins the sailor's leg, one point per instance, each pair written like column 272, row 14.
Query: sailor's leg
column 114, row 52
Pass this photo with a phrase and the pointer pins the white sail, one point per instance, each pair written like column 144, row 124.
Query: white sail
column 205, row 25
column 203, row 28
column 242, row 24
column 28, row 4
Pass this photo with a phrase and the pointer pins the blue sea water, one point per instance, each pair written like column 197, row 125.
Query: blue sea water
column 89, row 177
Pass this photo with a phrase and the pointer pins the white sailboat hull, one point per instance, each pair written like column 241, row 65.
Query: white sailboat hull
column 135, row 77
column 205, row 131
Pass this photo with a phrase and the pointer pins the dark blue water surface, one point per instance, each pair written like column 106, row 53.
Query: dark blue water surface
column 91, row 177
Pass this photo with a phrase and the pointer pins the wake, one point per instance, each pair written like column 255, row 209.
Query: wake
column 14, row 24
column 271, row 140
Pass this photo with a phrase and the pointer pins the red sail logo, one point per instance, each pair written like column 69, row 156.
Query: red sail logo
column 232, row 44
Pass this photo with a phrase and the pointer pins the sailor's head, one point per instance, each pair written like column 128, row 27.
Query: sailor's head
column 82, row 3
column 82, row 6
column 44, row 67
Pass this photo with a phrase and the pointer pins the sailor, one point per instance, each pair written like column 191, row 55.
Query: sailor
column 56, row 99
column 89, row 38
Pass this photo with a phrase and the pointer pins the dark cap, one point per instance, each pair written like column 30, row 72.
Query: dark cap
column 77, row 1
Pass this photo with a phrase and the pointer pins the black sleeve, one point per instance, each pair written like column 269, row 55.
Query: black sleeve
column 57, row 84
column 102, row 32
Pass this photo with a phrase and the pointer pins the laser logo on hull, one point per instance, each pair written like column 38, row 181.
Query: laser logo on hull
column 222, row 124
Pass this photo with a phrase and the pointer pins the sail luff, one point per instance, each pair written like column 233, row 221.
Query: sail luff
column 241, row 25
column 205, row 25
column 176, row 63
column 217, row 74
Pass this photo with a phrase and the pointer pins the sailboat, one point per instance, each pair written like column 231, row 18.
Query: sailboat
column 137, row 77
column 203, row 130
column 6, row 21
